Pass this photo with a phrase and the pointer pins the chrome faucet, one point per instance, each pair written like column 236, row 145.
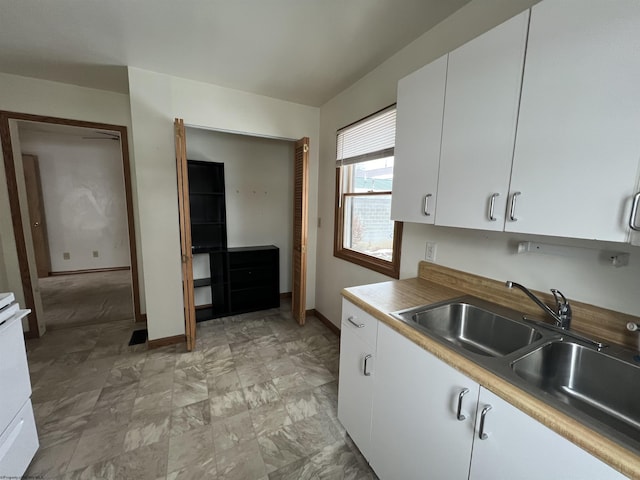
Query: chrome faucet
column 562, row 315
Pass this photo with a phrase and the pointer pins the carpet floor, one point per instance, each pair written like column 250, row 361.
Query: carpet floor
column 86, row 298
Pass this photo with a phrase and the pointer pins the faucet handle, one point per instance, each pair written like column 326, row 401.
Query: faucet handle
column 557, row 295
column 562, row 304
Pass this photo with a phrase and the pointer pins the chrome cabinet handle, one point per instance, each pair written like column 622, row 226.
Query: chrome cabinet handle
column 481, row 432
column 364, row 366
column 359, row 325
column 459, row 415
column 634, row 213
column 512, row 211
column 425, row 207
column 492, row 205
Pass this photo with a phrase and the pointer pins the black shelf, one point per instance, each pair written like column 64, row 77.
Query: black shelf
column 242, row 279
column 206, row 249
column 201, row 282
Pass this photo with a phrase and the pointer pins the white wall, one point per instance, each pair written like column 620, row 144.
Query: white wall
column 156, row 99
column 41, row 97
column 258, row 175
column 581, row 276
column 84, row 199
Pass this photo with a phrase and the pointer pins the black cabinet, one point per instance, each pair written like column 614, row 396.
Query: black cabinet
column 242, row 279
column 254, row 278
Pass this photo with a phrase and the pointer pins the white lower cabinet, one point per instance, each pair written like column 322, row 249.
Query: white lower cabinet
column 517, row 446
column 415, row 433
column 355, row 387
column 415, row 417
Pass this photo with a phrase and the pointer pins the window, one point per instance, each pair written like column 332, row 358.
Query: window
column 364, row 231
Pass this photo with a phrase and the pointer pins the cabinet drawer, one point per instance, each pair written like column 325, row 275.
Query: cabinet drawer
column 360, row 322
column 14, row 372
column 251, row 299
column 252, row 277
column 242, row 258
column 18, row 443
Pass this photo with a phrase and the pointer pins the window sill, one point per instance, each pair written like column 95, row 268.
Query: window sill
column 391, row 269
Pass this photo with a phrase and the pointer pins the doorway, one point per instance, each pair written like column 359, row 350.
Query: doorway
column 87, row 220
column 260, row 174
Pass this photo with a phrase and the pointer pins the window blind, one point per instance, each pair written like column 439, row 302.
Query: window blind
column 368, row 139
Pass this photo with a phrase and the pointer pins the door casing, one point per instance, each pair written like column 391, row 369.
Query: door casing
column 16, row 217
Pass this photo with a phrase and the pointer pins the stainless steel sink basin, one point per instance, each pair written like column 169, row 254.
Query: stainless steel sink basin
column 592, row 382
column 472, row 325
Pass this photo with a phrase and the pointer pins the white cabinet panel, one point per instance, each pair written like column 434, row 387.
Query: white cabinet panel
column 481, row 109
column 415, row 433
column 359, row 322
column 357, row 365
column 355, row 388
column 18, row 443
column 14, row 371
column 519, row 447
column 417, row 151
column 577, row 144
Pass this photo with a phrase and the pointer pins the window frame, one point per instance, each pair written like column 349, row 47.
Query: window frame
column 386, row 267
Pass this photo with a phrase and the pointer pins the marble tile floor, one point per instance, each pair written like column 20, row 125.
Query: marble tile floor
column 257, row 399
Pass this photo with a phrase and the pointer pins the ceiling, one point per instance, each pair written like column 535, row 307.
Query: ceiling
column 304, row 51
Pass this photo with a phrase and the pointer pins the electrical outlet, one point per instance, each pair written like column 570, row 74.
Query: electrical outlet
column 66, row 256
column 430, row 252
column 95, row 254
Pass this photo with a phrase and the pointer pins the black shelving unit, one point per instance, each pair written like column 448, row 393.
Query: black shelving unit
column 207, row 205
column 242, row 279
column 209, row 232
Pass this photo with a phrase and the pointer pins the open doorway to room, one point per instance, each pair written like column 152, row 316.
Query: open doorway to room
column 78, row 192
column 80, row 232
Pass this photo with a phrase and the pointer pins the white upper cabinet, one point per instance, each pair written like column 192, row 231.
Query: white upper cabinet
column 578, row 139
column 417, row 151
column 481, row 110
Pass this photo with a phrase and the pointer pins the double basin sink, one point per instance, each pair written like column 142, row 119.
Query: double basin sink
column 596, row 386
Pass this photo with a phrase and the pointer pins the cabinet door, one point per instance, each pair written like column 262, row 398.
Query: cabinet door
column 417, row 151
column 355, row 388
column 481, row 109
column 577, row 145
column 517, row 446
column 415, row 433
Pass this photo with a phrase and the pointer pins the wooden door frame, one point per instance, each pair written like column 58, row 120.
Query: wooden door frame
column 16, row 216
column 184, row 217
column 299, row 298
column 31, row 168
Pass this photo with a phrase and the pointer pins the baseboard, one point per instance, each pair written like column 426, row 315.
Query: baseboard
column 328, row 323
column 90, row 270
column 165, row 341
column 285, row 295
